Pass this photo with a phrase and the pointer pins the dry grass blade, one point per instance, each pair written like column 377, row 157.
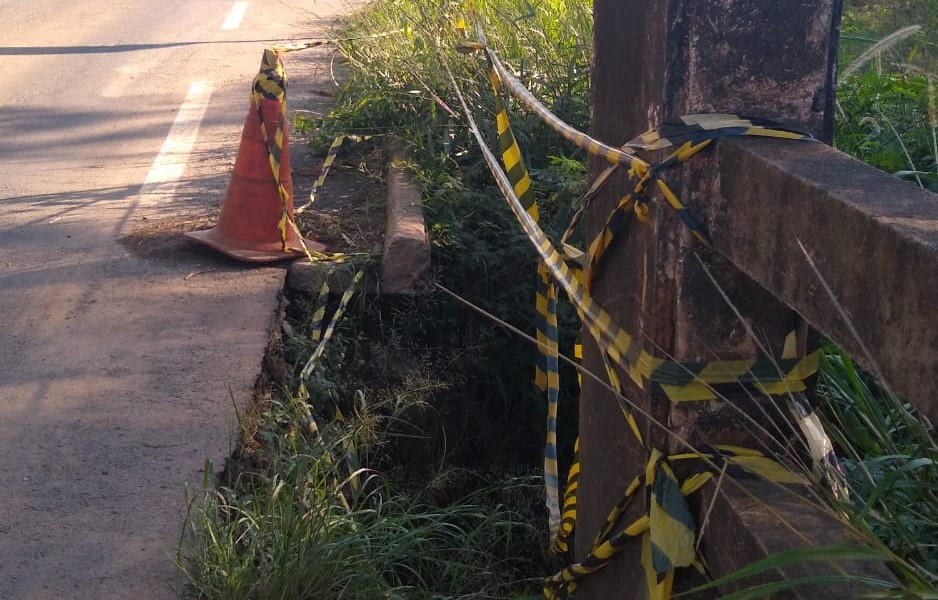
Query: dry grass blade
column 877, row 49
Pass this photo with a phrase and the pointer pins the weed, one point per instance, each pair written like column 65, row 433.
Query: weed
column 298, row 529
column 891, row 460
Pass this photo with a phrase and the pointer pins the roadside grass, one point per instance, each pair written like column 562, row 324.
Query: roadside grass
column 424, row 478
column 891, row 460
column 298, row 529
column 366, row 504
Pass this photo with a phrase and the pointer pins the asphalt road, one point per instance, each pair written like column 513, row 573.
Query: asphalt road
column 121, row 346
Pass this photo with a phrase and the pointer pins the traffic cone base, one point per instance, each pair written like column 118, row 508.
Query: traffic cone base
column 250, row 251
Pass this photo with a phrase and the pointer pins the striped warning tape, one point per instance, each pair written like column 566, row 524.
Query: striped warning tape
column 547, row 377
column 271, row 81
column 692, row 133
column 667, row 531
column 737, row 461
column 331, row 154
column 515, row 179
column 693, row 381
column 605, row 547
column 618, row 218
column 597, row 320
column 561, row 543
column 671, row 524
column 271, row 84
column 319, row 314
column 350, row 490
column 326, row 165
column 578, row 138
column 330, row 329
column 823, row 459
column 698, row 128
column 690, row 128
column 679, row 381
column 615, row 342
column 511, row 153
column 547, row 310
column 304, row 45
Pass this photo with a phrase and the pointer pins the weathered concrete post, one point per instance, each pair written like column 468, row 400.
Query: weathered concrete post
column 653, row 60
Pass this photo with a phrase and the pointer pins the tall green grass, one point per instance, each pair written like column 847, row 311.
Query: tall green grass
column 310, row 524
column 891, row 459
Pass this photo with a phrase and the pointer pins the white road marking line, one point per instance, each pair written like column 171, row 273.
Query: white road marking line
column 234, row 17
column 171, row 162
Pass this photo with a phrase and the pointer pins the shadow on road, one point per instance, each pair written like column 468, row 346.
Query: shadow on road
column 45, row 50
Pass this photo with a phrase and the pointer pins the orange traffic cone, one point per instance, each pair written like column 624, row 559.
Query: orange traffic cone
column 254, row 224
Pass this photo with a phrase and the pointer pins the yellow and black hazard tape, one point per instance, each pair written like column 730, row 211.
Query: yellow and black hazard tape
column 547, row 329
column 540, row 329
column 639, row 169
column 701, row 127
column 691, row 128
column 330, row 329
column 692, row 133
column 561, row 543
column 271, row 81
column 310, row 425
column 321, row 180
column 511, row 152
column 271, row 84
column 319, row 314
column 636, row 202
column 598, row 322
column 296, row 46
column 668, row 529
column 331, row 154
column 517, row 179
column 571, row 134
column 547, row 376
column 605, row 546
column 679, row 381
column 568, row 519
